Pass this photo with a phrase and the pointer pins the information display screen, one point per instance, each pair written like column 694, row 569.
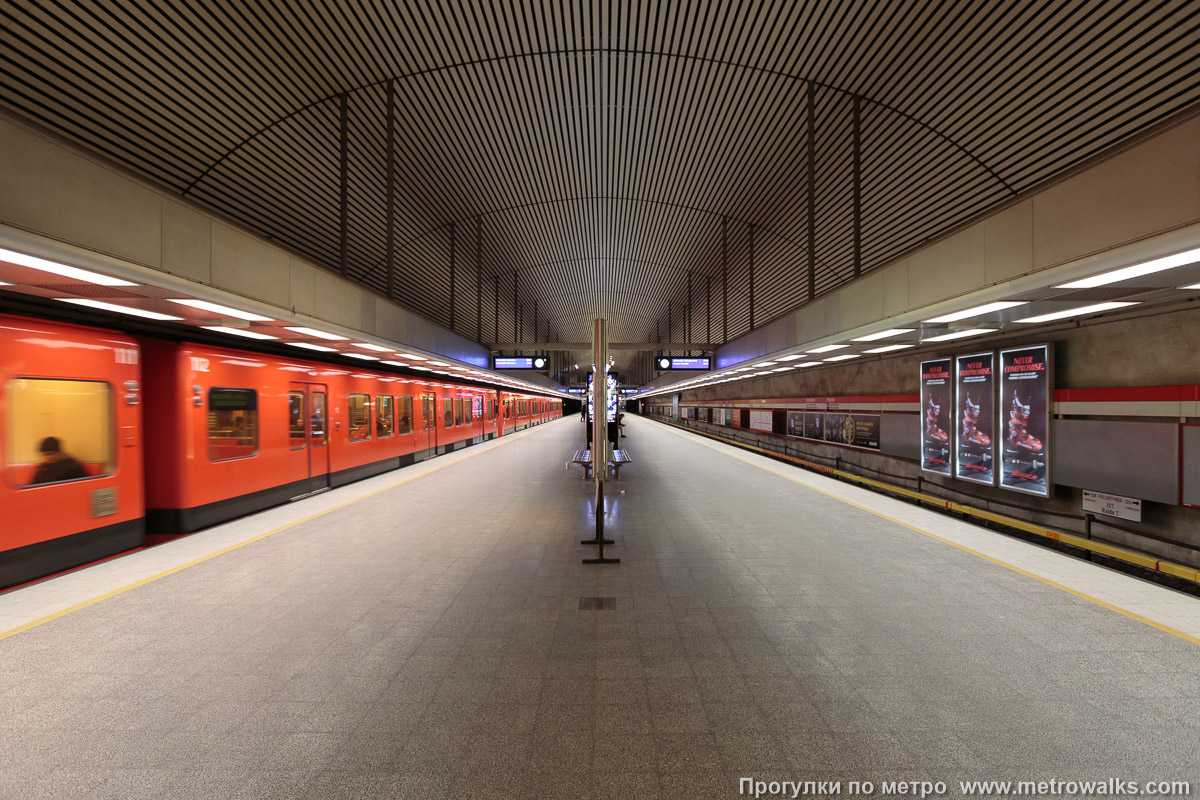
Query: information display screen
column 1025, row 386
column 690, row 363
column 612, row 398
column 514, row 362
column 975, row 417
column 937, row 388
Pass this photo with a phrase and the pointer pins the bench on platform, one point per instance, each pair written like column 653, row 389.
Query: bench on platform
column 583, row 457
column 619, row 459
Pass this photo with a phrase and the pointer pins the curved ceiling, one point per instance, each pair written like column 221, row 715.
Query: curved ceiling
column 513, row 170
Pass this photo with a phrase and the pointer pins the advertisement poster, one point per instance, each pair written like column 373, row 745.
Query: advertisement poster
column 795, row 426
column 729, row 412
column 1025, row 375
column 813, row 426
column 760, row 421
column 936, row 389
column 974, row 429
column 854, row 430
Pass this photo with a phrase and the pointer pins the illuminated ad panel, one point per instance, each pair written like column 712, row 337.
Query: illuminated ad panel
column 853, row 430
column 795, row 424
column 813, row 425
column 760, row 421
column 975, row 417
column 1025, row 378
column 937, row 387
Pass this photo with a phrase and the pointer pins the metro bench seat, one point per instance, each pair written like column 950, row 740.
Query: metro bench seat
column 583, row 457
column 619, row 459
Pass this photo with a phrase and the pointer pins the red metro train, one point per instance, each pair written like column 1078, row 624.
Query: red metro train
column 172, row 437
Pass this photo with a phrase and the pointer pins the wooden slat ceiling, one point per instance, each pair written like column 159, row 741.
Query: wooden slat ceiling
column 544, row 163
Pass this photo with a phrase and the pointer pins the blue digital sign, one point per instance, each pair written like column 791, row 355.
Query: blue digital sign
column 684, row 363
column 518, row 362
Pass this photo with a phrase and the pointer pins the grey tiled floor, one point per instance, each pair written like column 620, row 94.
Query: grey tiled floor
column 426, row 642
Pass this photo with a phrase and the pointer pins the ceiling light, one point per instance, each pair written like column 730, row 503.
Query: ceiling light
column 225, row 311
column 842, row 358
column 333, row 337
column 133, row 312
column 782, row 369
column 828, row 348
column 1077, row 312
column 320, row 348
column 423, row 369
column 960, row 334
column 745, row 369
column 237, row 332
column 360, row 356
column 1136, row 271
column 890, row 348
column 3, row 283
column 411, row 357
column 792, row 357
column 438, row 364
column 872, row 337
column 87, row 276
column 807, row 364
column 762, row 364
column 374, row 347
column 977, row 311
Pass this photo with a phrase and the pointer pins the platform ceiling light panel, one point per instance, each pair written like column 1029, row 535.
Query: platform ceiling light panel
column 890, row 348
column 362, row 356
column 1136, row 271
column 808, row 364
column 978, row 311
column 333, row 337
column 375, row 347
column 1077, row 312
column 238, row 332
column 320, row 348
column 873, row 337
column 224, row 311
column 133, row 312
column 829, row 348
column 423, row 369
column 845, row 357
column 762, row 364
column 791, row 357
column 62, row 270
column 411, row 357
column 947, row 337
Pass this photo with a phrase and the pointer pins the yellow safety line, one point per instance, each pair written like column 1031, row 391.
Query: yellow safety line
column 1123, row 611
column 84, row 604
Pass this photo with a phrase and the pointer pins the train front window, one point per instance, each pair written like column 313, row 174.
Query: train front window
column 232, row 423
column 385, row 416
column 359, row 406
column 318, row 419
column 296, row 420
column 404, row 415
column 58, row 431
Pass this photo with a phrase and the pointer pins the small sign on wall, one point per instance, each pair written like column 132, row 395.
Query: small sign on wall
column 1112, row 505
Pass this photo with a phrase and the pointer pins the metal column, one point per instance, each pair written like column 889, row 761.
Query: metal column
column 600, row 434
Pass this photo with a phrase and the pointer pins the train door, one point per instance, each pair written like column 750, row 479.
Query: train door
column 308, row 433
column 427, row 437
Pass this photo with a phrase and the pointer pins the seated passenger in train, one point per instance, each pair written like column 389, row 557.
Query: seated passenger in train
column 56, row 465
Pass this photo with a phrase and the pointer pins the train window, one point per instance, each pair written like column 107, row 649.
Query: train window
column 403, row 415
column 359, row 406
column 491, row 409
column 319, row 416
column 385, row 415
column 232, row 423
column 79, row 415
column 448, row 409
column 458, row 411
column 296, row 420
column 429, row 411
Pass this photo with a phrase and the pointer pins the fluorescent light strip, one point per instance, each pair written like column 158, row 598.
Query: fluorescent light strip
column 423, row 369
column 977, row 311
column 1077, row 312
column 829, row 348
column 808, row 364
column 225, row 311
column 237, row 332
column 411, row 357
column 54, row 268
column 1136, row 271
column 374, row 347
column 960, row 334
column 890, row 348
column 873, row 337
column 845, row 357
column 320, row 348
column 130, row 310
column 361, row 356
column 792, row 357
column 438, row 364
column 782, row 369
column 762, row 364
column 333, row 337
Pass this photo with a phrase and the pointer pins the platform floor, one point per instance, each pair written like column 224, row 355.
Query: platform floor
column 419, row 635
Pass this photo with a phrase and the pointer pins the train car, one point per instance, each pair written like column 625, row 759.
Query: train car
column 234, row 432
column 70, row 447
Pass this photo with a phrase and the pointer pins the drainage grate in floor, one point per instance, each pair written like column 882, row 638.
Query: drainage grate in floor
column 597, row 603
